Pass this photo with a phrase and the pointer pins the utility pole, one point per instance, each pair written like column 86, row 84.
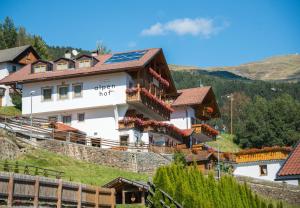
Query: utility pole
column 31, row 94
column 231, row 114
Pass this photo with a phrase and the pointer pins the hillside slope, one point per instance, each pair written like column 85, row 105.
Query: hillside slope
column 279, row 68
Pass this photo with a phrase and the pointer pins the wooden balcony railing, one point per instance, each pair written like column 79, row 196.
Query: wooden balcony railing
column 141, row 95
column 205, row 129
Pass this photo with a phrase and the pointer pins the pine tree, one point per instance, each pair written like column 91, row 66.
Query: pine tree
column 9, row 33
column 40, row 46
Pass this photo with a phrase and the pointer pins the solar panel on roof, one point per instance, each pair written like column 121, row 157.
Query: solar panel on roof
column 123, row 57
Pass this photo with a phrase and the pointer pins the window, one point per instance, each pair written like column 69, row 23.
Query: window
column 13, row 69
column 263, row 170
column 52, row 119
column 40, row 68
column 124, row 140
column 63, row 92
column 47, row 93
column 84, row 63
column 80, row 117
column 62, row 65
column 67, row 119
column 77, row 90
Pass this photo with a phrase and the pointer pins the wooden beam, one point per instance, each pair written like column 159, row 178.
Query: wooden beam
column 97, row 197
column 143, row 197
column 123, row 197
column 36, row 192
column 79, row 196
column 59, row 194
column 10, row 190
column 113, row 198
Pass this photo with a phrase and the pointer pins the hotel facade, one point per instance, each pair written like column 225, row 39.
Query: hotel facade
column 126, row 97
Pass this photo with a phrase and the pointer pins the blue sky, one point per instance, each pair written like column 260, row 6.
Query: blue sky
column 202, row 33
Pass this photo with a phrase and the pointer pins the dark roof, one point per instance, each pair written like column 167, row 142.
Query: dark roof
column 120, row 181
column 290, row 170
column 203, row 155
column 10, row 54
column 85, row 55
column 24, row 75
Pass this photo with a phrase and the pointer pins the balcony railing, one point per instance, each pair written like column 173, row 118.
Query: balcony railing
column 142, row 96
column 154, row 126
column 205, row 129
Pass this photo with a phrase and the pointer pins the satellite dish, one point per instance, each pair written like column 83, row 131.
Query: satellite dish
column 74, row 52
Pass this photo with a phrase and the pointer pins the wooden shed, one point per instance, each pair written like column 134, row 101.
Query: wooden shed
column 128, row 191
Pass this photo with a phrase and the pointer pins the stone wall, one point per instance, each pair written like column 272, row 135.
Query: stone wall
column 8, row 149
column 274, row 190
column 145, row 162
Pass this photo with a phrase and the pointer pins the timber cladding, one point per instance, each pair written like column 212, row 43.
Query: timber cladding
column 33, row 191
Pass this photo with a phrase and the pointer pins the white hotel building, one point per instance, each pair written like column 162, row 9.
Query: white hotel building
column 126, row 97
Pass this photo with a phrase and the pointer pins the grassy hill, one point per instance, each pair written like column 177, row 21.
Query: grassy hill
column 279, row 68
column 225, row 142
column 75, row 170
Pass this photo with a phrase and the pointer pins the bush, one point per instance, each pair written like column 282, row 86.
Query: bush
column 189, row 187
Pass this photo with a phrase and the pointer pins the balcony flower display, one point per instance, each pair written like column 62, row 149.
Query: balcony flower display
column 155, row 99
column 156, row 126
column 211, row 131
column 159, row 78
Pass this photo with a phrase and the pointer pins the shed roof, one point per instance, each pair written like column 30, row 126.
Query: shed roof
column 118, row 182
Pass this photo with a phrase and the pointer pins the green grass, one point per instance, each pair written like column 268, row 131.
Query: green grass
column 226, row 143
column 10, row 111
column 75, row 170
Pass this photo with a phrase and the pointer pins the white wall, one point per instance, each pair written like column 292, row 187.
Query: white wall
column 253, row 170
column 92, row 96
column 5, row 68
column 181, row 117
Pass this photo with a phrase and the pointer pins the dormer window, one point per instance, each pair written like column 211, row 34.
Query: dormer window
column 85, row 61
column 64, row 63
column 41, row 66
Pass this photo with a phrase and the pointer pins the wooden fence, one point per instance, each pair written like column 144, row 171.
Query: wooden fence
column 29, row 169
column 25, row 190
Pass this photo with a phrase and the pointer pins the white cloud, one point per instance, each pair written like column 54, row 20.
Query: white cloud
column 197, row 27
column 156, row 29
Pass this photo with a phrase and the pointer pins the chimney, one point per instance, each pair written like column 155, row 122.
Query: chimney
column 95, row 53
column 68, row 54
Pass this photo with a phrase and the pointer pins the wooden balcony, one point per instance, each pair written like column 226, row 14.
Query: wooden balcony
column 143, row 101
column 205, row 130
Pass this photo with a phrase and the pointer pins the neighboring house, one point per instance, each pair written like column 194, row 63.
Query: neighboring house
column 261, row 163
column 290, row 170
column 11, row 60
column 128, row 191
column 127, row 97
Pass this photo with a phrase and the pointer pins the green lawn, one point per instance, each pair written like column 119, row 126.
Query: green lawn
column 226, row 143
column 10, row 111
column 76, row 170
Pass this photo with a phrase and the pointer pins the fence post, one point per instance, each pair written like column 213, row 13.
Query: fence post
column 36, row 192
column 10, row 190
column 59, row 194
column 113, row 198
column 97, row 197
column 79, row 196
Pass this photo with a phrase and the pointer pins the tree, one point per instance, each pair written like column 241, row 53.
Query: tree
column 9, row 33
column 179, row 158
column 2, row 42
column 22, row 38
column 40, row 46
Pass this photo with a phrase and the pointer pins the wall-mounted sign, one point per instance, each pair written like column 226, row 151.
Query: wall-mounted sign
column 105, row 89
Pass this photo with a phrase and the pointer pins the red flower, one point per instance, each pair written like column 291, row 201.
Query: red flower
column 159, row 78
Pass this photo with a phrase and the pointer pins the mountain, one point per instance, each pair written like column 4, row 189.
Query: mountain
column 277, row 68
